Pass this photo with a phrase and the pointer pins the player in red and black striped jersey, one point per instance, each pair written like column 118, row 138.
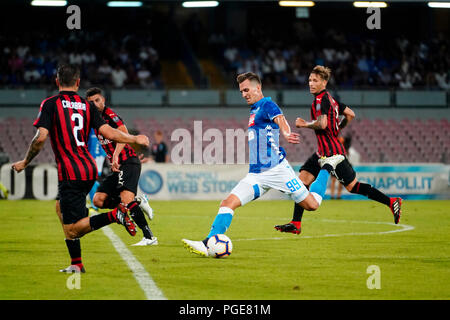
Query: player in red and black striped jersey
column 325, row 112
column 120, row 186
column 67, row 119
column 327, row 138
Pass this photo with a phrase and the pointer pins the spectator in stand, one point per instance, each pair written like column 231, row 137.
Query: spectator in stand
column 132, row 78
column 31, row 75
column 443, row 79
column 104, row 71
column 118, row 76
column 279, row 64
column 145, row 77
column 158, row 152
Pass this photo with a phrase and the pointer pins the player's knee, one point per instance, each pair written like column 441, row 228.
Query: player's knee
column 231, row 202
column 127, row 197
column 226, row 203
column 313, row 206
column 351, row 185
column 310, row 205
column 98, row 201
column 71, row 233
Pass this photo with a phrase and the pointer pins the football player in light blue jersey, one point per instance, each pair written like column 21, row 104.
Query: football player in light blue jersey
column 264, row 136
column 96, row 150
column 269, row 168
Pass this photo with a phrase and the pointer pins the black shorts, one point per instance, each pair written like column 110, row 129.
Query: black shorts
column 127, row 179
column 344, row 172
column 72, row 199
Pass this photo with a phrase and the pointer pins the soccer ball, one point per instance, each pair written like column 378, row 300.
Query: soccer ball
column 219, row 246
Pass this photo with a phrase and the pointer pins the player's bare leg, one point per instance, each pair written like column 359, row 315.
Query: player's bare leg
column 295, row 225
column 73, row 245
column 103, row 200
column 75, row 231
column 100, row 199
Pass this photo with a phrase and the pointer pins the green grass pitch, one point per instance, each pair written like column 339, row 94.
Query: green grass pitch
column 329, row 260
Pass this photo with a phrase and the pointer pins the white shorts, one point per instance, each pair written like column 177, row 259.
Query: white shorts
column 281, row 177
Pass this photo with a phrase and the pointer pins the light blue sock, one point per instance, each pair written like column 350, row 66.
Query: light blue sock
column 92, row 192
column 319, row 186
column 221, row 222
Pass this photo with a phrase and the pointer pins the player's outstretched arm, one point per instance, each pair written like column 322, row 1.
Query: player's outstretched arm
column 349, row 115
column 285, row 129
column 118, row 136
column 319, row 124
column 119, row 147
column 35, row 147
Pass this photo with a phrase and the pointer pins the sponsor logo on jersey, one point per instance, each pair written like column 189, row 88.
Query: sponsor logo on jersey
column 251, row 121
column 103, row 141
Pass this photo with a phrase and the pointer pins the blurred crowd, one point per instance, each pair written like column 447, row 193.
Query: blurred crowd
column 118, row 60
column 356, row 62
column 106, row 59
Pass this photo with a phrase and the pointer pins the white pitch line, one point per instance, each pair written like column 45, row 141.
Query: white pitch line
column 143, row 278
column 404, row 227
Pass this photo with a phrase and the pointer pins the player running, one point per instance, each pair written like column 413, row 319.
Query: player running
column 67, row 119
column 120, row 186
column 269, row 168
column 325, row 113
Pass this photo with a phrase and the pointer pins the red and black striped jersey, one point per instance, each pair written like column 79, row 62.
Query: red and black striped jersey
column 327, row 139
column 69, row 118
column 113, row 119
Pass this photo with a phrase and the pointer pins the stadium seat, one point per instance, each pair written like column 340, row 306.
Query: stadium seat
column 389, row 140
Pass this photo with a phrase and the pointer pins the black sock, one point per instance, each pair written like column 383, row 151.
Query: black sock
column 328, row 167
column 298, row 212
column 103, row 219
column 205, row 241
column 370, row 192
column 74, row 248
column 138, row 217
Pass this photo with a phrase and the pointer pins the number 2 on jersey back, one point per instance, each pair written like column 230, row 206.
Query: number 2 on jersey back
column 78, row 120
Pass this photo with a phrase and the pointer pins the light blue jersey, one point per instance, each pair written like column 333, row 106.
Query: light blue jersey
column 265, row 151
column 269, row 168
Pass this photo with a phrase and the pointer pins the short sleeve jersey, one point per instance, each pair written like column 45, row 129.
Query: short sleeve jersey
column 265, row 151
column 69, row 118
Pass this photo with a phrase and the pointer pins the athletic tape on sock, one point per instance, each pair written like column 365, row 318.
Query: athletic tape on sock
column 317, row 197
column 223, row 210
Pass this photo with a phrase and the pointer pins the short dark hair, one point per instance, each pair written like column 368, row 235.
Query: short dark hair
column 68, row 74
column 323, row 72
column 248, row 76
column 93, row 91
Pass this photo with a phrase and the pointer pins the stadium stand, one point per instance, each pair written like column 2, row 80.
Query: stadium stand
column 356, row 64
column 152, row 60
column 105, row 58
column 377, row 140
